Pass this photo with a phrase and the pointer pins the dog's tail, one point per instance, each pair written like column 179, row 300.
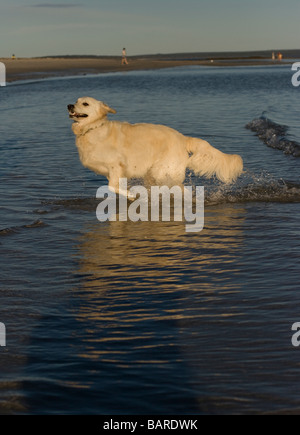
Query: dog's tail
column 207, row 161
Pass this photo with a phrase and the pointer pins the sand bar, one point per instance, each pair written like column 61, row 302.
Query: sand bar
column 39, row 68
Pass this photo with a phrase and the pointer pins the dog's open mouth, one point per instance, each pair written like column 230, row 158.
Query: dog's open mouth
column 77, row 115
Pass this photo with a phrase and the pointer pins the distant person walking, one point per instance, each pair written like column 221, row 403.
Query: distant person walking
column 124, row 57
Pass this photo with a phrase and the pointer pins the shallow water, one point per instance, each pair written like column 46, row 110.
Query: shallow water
column 143, row 318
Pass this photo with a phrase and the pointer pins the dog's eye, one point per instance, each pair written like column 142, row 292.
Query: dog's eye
column 86, row 104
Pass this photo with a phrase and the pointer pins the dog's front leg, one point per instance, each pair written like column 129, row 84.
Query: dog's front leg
column 118, row 184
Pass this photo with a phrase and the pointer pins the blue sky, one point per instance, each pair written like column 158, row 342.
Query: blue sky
column 103, row 27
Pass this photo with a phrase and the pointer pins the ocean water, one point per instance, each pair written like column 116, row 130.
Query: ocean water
column 143, row 318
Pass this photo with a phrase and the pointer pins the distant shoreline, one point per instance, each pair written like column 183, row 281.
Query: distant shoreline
column 40, row 68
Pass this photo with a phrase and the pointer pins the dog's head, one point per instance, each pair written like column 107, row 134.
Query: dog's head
column 88, row 110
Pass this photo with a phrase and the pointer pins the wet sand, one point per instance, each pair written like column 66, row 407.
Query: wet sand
column 27, row 68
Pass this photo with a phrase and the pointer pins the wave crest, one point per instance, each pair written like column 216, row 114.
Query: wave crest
column 274, row 135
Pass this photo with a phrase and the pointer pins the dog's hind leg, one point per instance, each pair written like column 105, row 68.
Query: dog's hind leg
column 171, row 175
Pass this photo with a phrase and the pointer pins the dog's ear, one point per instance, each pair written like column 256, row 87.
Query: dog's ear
column 108, row 109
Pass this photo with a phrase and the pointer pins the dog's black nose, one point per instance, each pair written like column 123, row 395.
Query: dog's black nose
column 71, row 107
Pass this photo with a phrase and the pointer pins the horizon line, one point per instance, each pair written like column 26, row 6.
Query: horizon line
column 163, row 54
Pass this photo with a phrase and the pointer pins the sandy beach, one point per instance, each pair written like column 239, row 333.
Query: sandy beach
column 33, row 68
column 25, row 69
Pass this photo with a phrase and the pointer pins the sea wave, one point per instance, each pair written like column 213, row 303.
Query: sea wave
column 17, row 229
column 274, row 135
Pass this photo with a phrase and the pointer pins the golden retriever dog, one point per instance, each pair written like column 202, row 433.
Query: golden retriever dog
column 158, row 154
